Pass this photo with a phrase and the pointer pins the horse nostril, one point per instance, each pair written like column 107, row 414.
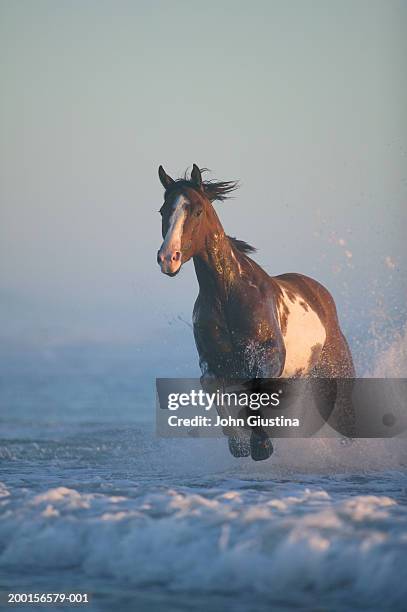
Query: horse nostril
column 176, row 256
column 159, row 257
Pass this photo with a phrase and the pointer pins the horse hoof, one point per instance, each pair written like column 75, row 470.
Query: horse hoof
column 239, row 447
column 261, row 447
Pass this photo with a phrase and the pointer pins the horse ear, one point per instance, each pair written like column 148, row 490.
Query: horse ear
column 165, row 179
column 196, row 176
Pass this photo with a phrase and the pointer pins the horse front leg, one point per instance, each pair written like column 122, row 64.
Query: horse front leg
column 238, row 438
column 264, row 360
column 254, row 360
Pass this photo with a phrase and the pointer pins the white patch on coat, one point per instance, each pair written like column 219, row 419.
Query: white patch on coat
column 304, row 337
column 172, row 240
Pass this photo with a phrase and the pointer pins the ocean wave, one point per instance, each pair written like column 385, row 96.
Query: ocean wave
column 280, row 546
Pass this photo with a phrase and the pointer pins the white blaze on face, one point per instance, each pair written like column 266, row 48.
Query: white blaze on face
column 174, row 234
column 173, row 237
column 304, row 337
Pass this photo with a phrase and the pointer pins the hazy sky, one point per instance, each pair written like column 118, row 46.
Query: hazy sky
column 303, row 101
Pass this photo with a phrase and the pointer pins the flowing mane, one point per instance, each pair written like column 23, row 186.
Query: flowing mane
column 218, row 190
column 242, row 246
column 214, row 190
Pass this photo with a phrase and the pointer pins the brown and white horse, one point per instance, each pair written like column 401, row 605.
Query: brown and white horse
column 247, row 324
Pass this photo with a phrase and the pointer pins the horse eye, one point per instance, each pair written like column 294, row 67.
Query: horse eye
column 198, row 212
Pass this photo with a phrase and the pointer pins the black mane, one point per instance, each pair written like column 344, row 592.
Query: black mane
column 241, row 245
column 214, row 190
column 219, row 190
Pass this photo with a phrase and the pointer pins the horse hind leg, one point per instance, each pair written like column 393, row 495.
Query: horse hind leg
column 335, row 367
column 335, row 360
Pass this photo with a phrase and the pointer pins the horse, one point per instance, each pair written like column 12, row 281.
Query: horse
column 247, row 324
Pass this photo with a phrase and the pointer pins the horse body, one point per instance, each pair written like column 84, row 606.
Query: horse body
column 246, row 323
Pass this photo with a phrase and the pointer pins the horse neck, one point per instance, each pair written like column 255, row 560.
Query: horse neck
column 216, row 264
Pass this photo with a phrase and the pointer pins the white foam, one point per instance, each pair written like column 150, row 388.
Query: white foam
column 392, row 362
column 273, row 544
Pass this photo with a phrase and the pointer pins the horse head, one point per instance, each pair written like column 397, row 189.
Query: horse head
column 183, row 216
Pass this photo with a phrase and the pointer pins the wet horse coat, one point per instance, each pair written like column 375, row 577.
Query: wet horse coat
column 247, row 324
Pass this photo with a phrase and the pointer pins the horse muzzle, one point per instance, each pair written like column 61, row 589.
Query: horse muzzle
column 169, row 262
